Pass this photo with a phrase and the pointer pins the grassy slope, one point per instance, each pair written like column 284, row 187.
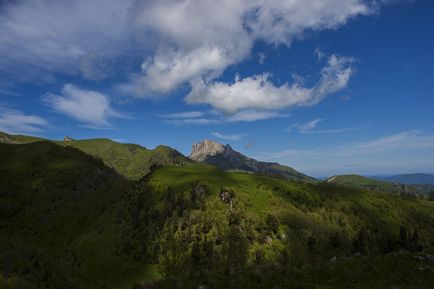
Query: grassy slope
column 303, row 211
column 7, row 138
column 363, row 183
column 90, row 228
column 130, row 160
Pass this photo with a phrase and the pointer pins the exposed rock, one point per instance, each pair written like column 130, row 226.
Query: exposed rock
column 225, row 158
column 225, row 197
column 425, row 268
column 5, row 139
column 200, row 190
column 67, row 138
column 268, row 240
column 201, row 150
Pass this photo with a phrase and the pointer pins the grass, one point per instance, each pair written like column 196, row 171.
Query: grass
column 73, row 222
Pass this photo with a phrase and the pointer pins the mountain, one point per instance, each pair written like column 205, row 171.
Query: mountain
column 67, row 220
column 130, row 160
column 361, row 182
column 17, row 139
column 410, row 179
column 225, row 158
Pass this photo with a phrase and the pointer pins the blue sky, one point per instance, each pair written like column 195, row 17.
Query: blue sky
column 327, row 87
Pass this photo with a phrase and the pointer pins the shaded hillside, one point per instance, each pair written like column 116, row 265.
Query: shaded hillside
column 361, row 182
column 58, row 211
column 130, row 160
column 225, row 158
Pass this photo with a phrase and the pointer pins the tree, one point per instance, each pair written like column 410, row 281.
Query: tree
column 272, row 223
column 403, row 236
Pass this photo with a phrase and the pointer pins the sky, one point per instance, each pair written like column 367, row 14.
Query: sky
column 327, row 87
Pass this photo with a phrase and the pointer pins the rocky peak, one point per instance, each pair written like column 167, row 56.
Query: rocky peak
column 68, row 138
column 201, row 150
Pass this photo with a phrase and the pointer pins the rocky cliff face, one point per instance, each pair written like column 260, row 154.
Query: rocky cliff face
column 225, row 158
column 201, row 150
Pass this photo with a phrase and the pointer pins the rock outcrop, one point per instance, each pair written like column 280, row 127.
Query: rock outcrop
column 226, row 158
column 201, row 150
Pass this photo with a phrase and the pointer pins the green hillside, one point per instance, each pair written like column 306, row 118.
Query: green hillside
column 130, row 160
column 69, row 221
column 364, row 183
column 17, row 139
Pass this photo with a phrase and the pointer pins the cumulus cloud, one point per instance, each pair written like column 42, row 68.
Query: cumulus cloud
column 89, row 107
column 199, row 39
column 14, row 121
column 228, row 137
column 178, row 40
column 259, row 92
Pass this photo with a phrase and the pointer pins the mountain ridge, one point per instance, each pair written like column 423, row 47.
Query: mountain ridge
column 132, row 161
column 409, row 179
column 226, row 158
column 361, row 182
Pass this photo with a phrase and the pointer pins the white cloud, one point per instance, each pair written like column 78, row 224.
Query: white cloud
column 309, row 126
column 228, row 137
column 258, row 92
column 261, row 57
column 14, row 121
column 89, row 107
column 215, row 117
column 183, row 115
column 249, row 115
column 44, row 37
column 187, row 121
column 199, row 39
column 178, row 41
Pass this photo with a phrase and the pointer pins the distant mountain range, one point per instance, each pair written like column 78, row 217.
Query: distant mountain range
column 409, row 179
column 360, row 182
column 225, row 158
column 134, row 161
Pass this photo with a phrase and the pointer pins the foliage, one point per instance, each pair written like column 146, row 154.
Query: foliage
column 69, row 221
